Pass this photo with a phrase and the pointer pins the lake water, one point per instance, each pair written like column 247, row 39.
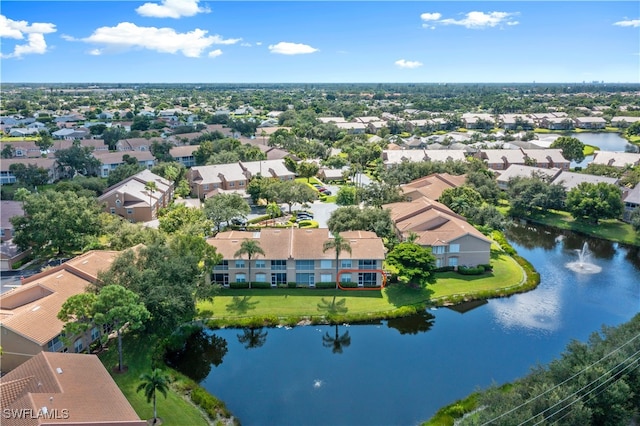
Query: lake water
column 399, row 372
column 604, row 141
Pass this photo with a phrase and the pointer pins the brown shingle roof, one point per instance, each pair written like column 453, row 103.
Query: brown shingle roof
column 77, row 383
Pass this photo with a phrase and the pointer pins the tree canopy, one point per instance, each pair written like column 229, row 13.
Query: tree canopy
column 415, row 264
column 221, row 208
column 57, row 222
column 595, row 201
column 572, row 148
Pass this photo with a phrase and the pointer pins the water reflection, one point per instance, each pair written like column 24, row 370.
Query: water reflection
column 199, row 352
column 531, row 236
column 336, row 342
column 252, row 337
column 418, row 323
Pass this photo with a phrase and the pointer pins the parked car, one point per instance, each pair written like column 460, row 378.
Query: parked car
column 322, row 189
column 327, row 192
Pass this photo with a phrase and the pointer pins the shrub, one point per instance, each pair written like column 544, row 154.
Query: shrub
column 324, row 285
column 261, row 285
column 445, row 269
column 292, row 284
column 349, row 285
column 470, row 270
column 259, row 219
column 239, row 285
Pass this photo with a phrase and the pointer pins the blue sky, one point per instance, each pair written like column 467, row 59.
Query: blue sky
column 191, row 41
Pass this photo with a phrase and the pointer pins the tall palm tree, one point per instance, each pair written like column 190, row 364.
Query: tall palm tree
column 337, row 342
column 151, row 188
column 157, row 381
column 251, row 248
column 339, row 244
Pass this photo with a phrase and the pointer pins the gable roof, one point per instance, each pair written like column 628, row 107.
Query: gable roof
column 299, row 244
column 433, row 185
column 31, row 310
column 78, row 383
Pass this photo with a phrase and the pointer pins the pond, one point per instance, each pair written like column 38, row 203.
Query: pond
column 400, row 372
column 604, row 141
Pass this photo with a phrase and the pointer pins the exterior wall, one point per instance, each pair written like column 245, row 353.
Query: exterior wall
column 16, row 349
column 132, row 214
column 317, row 272
column 473, row 251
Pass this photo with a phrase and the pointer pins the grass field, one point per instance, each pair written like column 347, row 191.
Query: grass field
column 174, row 410
column 238, row 305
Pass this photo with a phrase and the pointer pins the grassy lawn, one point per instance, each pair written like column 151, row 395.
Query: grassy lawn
column 609, row 229
column 174, row 410
column 589, row 149
column 315, row 304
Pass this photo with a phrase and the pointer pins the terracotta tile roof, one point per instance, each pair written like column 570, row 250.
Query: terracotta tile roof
column 294, row 243
column 433, row 185
column 77, row 383
column 31, row 310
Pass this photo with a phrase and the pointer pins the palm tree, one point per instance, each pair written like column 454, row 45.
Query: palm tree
column 151, row 187
column 337, row 342
column 273, row 210
column 157, row 381
column 339, row 244
column 251, row 248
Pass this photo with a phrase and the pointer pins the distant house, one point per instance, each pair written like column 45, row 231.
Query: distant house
column 624, row 121
column 590, row 122
column 7, row 177
column 453, row 241
column 62, row 388
column 330, row 175
column 22, row 132
column 516, row 170
column 131, row 199
column 267, row 168
column 501, row 159
column 431, row 186
column 111, row 160
column 24, row 149
column 8, row 209
column 391, row 156
column 616, row 159
column 570, row 180
column 295, row 255
column 184, row 154
column 28, row 313
column 631, row 201
column 227, row 177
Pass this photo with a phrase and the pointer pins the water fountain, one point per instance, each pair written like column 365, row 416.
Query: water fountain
column 583, row 266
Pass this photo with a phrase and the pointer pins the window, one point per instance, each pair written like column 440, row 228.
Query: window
column 205, row 187
column 95, row 333
column 232, row 184
column 129, row 211
column 438, row 263
column 261, row 277
column 261, row 264
column 305, row 279
column 278, row 278
column 222, row 266
column 325, row 278
column 454, row 248
column 78, row 346
column 222, row 279
column 118, row 202
column 345, row 264
column 278, row 265
column 437, row 249
column 112, row 210
column 325, row 264
column 304, row 265
column 1, row 232
column 453, row 261
column 55, row 344
column 367, row 279
column 367, row 264
column 240, row 263
column 345, row 278
column 241, row 278
column 240, row 183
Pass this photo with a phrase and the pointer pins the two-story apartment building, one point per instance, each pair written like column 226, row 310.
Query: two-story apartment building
column 501, row 159
column 134, row 200
column 294, row 255
column 28, row 314
column 111, row 160
column 452, row 239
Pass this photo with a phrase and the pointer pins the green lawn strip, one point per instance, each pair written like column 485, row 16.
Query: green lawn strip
column 506, row 274
column 137, row 351
column 609, row 229
column 589, row 149
column 244, row 307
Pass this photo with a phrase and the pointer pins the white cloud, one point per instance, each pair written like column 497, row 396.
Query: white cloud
column 430, row 16
column 259, row 43
column 17, row 30
column 475, row 20
column 215, row 53
column 245, row 44
column 472, row 20
column 163, row 40
column 95, row 52
column 402, row 63
column 171, row 9
column 628, row 23
column 286, row 48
